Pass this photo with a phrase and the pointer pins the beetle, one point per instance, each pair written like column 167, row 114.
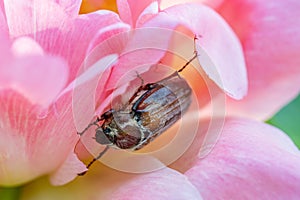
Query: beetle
column 155, row 110
column 150, row 111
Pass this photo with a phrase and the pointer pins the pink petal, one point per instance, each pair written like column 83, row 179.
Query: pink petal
column 4, row 37
column 105, row 183
column 148, row 13
column 83, row 90
column 131, row 58
column 225, row 65
column 130, row 11
column 178, row 52
column 38, row 78
column 2, row 6
column 269, row 32
column 125, row 12
column 72, row 7
column 34, row 141
column 5, row 45
column 163, row 184
column 138, row 52
column 63, row 35
column 68, row 171
column 25, row 46
column 3, row 25
column 33, row 17
column 212, row 3
column 80, row 39
column 190, row 156
column 250, row 160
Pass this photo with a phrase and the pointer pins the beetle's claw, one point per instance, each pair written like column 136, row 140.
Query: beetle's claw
column 82, row 173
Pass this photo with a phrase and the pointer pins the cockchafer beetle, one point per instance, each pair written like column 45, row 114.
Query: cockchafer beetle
column 150, row 111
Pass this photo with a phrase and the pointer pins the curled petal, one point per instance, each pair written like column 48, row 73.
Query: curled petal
column 250, row 160
column 225, row 66
column 80, row 39
column 137, row 50
column 269, row 32
column 163, row 184
column 84, row 88
column 68, row 171
column 149, row 12
column 130, row 11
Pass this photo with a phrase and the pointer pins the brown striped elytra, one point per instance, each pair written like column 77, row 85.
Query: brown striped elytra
column 156, row 107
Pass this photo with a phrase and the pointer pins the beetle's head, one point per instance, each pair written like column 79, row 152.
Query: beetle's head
column 104, row 136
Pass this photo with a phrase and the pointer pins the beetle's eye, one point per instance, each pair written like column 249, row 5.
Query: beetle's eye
column 101, row 136
column 137, row 116
column 106, row 130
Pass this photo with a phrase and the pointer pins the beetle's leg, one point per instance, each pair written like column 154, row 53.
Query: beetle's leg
column 108, row 114
column 193, row 58
column 95, row 123
column 104, row 116
column 94, row 160
column 185, row 65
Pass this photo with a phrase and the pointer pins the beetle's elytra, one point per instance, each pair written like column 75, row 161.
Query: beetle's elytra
column 151, row 110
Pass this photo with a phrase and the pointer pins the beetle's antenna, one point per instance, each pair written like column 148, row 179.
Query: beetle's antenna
column 91, row 124
column 193, row 58
column 94, row 160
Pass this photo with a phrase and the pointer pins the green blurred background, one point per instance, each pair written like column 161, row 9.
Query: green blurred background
column 288, row 120
column 10, row 193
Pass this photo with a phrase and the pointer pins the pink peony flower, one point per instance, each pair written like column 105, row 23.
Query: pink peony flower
column 250, row 157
